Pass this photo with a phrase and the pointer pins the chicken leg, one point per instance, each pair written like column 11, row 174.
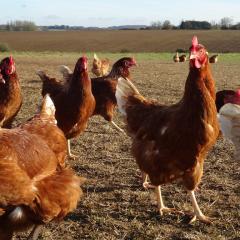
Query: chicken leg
column 35, row 232
column 69, row 150
column 197, row 211
column 161, row 206
column 146, row 183
column 117, row 127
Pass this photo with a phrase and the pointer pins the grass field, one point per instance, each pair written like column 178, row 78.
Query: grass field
column 120, row 41
column 115, row 206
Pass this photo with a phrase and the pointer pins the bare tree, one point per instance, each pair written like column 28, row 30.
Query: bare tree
column 166, row 25
column 226, row 23
column 156, row 25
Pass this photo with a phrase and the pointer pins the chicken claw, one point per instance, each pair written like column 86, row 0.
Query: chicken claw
column 169, row 210
column 201, row 218
column 197, row 212
column 146, row 184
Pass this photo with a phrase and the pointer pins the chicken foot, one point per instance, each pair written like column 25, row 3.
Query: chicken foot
column 197, row 211
column 117, row 127
column 146, row 184
column 35, row 232
column 161, row 206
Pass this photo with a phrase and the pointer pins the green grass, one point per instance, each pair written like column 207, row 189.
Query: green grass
column 225, row 57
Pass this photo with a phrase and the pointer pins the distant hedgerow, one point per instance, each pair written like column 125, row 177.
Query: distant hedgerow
column 4, row 47
column 125, row 50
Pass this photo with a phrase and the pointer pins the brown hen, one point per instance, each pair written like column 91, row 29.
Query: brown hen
column 104, row 88
column 10, row 92
column 171, row 142
column 100, row 67
column 74, row 103
column 35, row 188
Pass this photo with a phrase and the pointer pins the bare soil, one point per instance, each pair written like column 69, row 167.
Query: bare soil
column 115, row 205
column 121, row 41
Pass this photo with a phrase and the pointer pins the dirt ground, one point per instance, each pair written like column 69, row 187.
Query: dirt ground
column 121, row 41
column 115, row 205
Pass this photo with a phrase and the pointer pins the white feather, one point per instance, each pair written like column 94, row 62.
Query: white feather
column 229, row 117
column 65, row 71
column 124, row 89
column 16, row 215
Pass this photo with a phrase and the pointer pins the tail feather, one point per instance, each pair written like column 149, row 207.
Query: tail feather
column 65, row 71
column 125, row 88
column 95, row 56
column 58, row 194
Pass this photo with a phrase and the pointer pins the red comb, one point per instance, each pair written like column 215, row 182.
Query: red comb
column 194, row 41
column 11, row 59
column 238, row 93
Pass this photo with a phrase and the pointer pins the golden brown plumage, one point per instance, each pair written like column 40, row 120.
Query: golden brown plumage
column 35, row 187
column 171, row 142
column 100, row 67
column 10, row 92
column 74, row 104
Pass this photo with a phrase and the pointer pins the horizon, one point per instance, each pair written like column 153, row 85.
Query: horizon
column 93, row 13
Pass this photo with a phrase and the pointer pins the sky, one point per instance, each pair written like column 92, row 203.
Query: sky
column 103, row 13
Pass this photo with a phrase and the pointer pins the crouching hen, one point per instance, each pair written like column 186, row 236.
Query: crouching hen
column 35, row 187
column 171, row 142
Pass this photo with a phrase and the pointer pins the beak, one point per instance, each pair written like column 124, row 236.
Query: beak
column 134, row 63
column 192, row 56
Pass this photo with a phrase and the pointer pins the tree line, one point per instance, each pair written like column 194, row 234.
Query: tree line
column 224, row 24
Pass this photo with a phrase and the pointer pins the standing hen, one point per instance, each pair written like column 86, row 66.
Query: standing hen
column 104, row 88
column 35, row 188
column 10, row 92
column 74, row 104
column 100, row 66
column 171, row 142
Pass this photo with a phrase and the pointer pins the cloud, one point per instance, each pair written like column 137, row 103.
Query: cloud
column 23, row 5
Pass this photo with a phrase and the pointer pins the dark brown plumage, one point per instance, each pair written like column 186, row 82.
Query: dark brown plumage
column 35, row 186
column 213, row 58
column 74, row 103
column 10, row 92
column 183, row 58
column 171, row 142
column 104, row 88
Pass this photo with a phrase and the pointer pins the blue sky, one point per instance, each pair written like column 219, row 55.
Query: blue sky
column 104, row 13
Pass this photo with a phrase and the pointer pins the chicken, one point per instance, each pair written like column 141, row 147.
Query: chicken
column 104, row 88
column 176, row 57
column 221, row 96
column 10, row 92
column 35, row 188
column 213, row 58
column 100, row 66
column 183, row 58
column 171, row 142
column 229, row 120
column 75, row 103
